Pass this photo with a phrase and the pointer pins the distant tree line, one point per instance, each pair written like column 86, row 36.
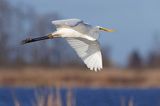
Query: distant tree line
column 152, row 60
column 19, row 22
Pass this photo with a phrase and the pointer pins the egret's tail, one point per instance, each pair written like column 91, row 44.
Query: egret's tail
column 29, row 40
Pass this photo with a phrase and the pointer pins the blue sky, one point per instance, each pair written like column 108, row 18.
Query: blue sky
column 136, row 21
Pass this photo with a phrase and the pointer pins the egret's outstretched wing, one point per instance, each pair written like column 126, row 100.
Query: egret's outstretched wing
column 67, row 23
column 88, row 51
column 77, row 25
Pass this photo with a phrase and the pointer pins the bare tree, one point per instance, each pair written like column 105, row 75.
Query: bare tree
column 153, row 59
column 4, row 33
column 106, row 57
column 135, row 60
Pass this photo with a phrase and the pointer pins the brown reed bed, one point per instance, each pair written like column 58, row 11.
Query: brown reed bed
column 68, row 77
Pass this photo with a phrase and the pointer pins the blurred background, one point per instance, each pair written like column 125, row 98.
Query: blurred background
column 49, row 73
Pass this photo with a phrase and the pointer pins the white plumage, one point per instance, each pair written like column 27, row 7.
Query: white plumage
column 88, row 51
column 81, row 37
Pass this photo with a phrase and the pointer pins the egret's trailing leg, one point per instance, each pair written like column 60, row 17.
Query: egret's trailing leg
column 29, row 40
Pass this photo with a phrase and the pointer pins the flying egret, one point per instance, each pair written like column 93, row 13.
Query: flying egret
column 82, row 37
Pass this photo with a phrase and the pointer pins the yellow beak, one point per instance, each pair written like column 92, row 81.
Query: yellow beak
column 106, row 29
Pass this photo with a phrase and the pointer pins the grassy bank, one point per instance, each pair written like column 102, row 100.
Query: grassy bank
column 79, row 78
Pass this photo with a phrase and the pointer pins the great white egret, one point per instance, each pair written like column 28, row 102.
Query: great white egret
column 82, row 37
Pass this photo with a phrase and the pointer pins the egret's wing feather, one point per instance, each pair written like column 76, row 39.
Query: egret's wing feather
column 77, row 25
column 67, row 23
column 87, row 29
column 88, row 51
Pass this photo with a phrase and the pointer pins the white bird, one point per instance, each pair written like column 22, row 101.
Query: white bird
column 82, row 37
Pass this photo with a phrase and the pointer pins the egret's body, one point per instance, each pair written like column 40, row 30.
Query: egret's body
column 82, row 38
column 67, row 33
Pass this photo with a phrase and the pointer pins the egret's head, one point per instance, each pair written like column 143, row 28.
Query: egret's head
column 105, row 29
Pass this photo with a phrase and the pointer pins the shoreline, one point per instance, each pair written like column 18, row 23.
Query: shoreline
column 67, row 77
